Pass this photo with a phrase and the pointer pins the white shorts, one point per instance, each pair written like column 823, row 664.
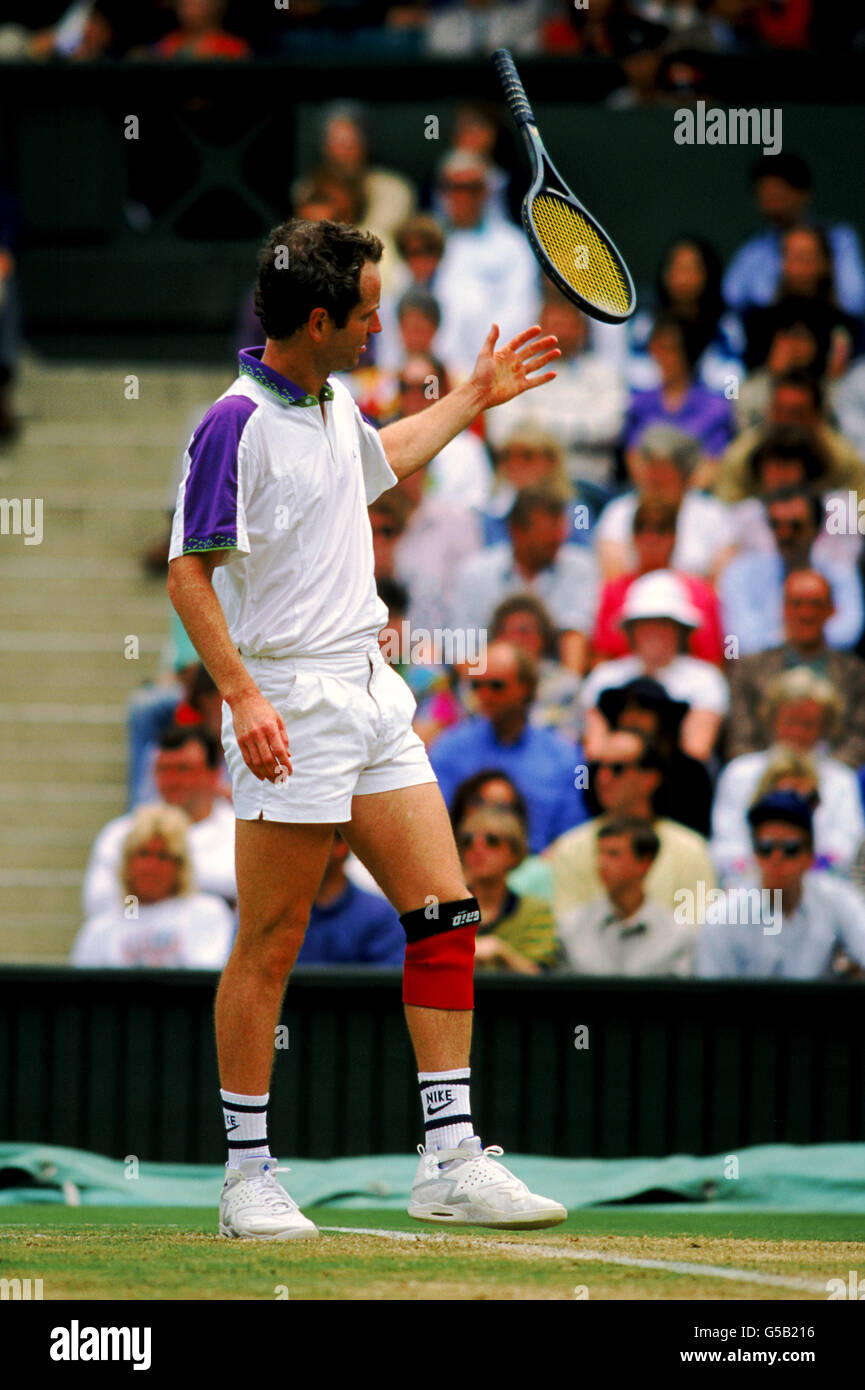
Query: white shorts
column 349, row 721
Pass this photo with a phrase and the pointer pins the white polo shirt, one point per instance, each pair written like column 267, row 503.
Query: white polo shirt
column 266, row 477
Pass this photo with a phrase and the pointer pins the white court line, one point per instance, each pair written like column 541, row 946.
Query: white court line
column 549, row 1252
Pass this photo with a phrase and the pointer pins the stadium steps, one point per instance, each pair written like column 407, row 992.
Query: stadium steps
column 104, row 467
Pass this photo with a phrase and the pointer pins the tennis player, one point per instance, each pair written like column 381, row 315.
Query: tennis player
column 271, row 572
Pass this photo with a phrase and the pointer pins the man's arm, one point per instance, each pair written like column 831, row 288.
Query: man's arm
column 261, row 733
column 498, row 377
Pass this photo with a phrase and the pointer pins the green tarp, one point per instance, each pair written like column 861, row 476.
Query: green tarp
column 781, row 1177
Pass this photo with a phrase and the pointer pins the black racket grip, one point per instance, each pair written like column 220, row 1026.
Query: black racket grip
column 513, row 88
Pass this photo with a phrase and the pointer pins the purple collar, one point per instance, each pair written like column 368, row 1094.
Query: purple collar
column 250, row 364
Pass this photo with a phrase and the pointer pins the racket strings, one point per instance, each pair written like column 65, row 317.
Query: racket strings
column 581, row 256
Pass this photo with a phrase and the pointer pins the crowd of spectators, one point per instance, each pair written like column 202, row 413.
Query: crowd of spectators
column 629, row 604
column 658, row 43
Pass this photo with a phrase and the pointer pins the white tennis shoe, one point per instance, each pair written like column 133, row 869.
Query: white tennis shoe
column 466, row 1187
column 254, row 1206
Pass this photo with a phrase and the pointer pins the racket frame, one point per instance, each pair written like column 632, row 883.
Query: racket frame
column 547, row 179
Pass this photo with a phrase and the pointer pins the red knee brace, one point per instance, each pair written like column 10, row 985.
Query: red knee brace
column 440, row 955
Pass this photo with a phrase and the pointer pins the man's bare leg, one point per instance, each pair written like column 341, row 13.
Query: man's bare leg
column 279, row 869
column 406, row 841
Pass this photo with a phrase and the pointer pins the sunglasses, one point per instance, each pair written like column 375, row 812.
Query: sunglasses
column 466, row 839
column 480, row 682
column 789, row 848
column 162, row 855
column 617, row 769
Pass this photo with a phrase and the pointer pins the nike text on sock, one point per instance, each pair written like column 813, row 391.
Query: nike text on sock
column 245, row 1126
column 444, row 1098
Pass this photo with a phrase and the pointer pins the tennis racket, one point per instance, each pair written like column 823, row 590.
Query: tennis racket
column 572, row 248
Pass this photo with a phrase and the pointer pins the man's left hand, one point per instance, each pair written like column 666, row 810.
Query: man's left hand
column 500, row 374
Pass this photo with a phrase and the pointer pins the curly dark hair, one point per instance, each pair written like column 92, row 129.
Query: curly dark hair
column 311, row 265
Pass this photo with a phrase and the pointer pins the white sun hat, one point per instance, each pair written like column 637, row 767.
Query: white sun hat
column 659, row 594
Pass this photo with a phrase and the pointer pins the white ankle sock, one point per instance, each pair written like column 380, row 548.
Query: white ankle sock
column 444, row 1098
column 245, row 1126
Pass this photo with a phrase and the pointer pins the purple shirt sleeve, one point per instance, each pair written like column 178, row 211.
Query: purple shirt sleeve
column 210, row 510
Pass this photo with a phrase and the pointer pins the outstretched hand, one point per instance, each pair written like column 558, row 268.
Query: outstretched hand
column 500, row 374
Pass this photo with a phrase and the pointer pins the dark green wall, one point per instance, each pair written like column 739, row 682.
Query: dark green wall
column 218, row 150
column 123, row 1062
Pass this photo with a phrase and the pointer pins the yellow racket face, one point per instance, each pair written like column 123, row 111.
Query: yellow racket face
column 582, row 257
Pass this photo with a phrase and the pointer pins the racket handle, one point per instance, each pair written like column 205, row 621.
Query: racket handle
column 514, row 91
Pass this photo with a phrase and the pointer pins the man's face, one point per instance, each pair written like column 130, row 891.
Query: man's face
column 799, row 723
column 345, row 346
column 182, row 776
column 792, row 526
column 808, row 607
column 498, row 690
column 620, row 781
column 539, row 541
column 465, row 195
column 780, row 204
column 793, row 405
column 783, row 854
column 618, row 866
